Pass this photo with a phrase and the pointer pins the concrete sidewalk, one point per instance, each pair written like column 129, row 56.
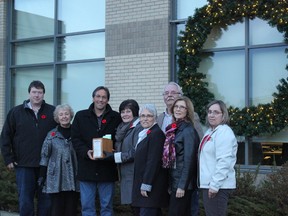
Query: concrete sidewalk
column 3, row 213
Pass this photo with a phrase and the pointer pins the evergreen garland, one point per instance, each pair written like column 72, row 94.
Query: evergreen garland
column 251, row 121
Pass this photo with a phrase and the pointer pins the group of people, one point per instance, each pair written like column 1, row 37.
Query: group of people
column 160, row 160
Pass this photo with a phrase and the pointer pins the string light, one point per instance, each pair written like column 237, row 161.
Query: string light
column 249, row 121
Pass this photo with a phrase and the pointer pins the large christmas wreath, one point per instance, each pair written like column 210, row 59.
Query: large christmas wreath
column 251, row 121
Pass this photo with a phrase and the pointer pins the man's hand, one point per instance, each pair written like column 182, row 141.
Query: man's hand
column 11, row 166
column 90, row 154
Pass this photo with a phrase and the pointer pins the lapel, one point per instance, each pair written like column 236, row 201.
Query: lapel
column 145, row 133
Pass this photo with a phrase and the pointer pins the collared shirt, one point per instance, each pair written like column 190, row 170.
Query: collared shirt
column 166, row 121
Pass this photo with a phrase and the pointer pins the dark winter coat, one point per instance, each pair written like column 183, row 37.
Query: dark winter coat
column 184, row 174
column 23, row 134
column 148, row 170
column 126, row 168
column 84, row 128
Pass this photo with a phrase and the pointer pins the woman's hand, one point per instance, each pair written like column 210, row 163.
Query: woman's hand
column 211, row 193
column 180, row 193
column 144, row 193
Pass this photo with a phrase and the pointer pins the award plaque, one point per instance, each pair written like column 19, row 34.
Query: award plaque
column 100, row 145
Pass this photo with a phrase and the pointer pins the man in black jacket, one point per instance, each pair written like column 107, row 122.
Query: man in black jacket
column 95, row 122
column 24, row 131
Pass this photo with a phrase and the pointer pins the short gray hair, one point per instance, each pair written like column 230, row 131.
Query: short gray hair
column 65, row 107
column 175, row 84
column 151, row 108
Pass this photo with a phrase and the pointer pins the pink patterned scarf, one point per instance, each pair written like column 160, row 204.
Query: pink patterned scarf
column 169, row 153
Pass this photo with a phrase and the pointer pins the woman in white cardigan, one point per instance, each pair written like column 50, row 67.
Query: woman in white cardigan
column 217, row 158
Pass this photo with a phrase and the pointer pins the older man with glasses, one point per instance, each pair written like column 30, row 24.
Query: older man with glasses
column 171, row 92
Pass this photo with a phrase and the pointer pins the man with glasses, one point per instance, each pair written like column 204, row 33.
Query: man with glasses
column 95, row 122
column 171, row 92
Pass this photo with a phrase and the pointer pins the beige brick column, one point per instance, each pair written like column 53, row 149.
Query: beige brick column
column 2, row 60
column 137, row 50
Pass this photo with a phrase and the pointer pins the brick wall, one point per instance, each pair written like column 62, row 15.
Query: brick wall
column 137, row 50
column 2, row 61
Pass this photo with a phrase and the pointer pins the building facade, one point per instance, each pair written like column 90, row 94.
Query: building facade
column 130, row 47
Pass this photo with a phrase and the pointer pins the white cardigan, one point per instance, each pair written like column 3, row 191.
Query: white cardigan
column 217, row 159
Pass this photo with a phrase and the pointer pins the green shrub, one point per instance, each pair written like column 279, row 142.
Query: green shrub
column 269, row 198
column 275, row 189
column 246, row 183
column 8, row 192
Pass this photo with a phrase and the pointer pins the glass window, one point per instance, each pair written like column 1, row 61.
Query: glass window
column 70, row 83
column 225, row 70
column 40, row 51
column 262, row 33
column 249, row 54
column 232, row 35
column 187, row 8
column 267, row 68
column 268, row 153
column 36, row 41
column 75, row 15
column 33, row 18
column 23, row 77
column 86, row 46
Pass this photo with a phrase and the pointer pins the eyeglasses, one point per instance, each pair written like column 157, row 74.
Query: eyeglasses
column 173, row 93
column 214, row 112
column 146, row 116
column 180, row 107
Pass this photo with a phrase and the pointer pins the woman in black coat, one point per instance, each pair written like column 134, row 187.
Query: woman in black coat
column 150, row 186
column 180, row 155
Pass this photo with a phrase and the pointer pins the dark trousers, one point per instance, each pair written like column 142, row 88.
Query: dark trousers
column 26, row 180
column 180, row 206
column 195, row 203
column 216, row 206
column 64, row 203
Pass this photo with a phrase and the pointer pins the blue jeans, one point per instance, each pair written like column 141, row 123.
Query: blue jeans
column 26, row 180
column 88, row 194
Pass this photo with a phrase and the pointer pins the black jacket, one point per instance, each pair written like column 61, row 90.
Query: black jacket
column 148, row 170
column 184, row 175
column 84, row 128
column 23, row 134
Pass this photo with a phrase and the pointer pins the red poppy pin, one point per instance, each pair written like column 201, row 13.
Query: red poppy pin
column 174, row 125
column 43, row 116
column 53, row 133
column 103, row 121
column 148, row 132
column 131, row 125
